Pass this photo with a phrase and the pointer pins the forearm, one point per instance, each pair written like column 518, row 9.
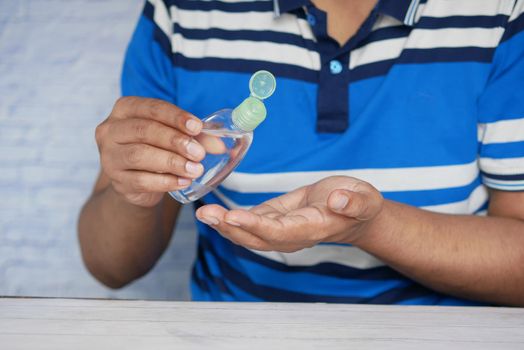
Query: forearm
column 121, row 241
column 480, row 258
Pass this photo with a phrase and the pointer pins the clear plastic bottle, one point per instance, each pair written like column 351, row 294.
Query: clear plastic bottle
column 226, row 137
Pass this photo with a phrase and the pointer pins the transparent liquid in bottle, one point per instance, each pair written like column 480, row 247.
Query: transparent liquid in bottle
column 225, row 146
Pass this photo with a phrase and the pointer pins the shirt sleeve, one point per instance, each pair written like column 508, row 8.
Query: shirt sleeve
column 501, row 111
column 148, row 69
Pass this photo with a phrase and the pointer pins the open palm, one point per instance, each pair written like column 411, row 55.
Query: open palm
column 332, row 210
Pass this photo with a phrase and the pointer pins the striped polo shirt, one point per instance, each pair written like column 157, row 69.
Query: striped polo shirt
column 425, row 102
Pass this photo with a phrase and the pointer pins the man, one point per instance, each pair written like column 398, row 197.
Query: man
column 388, row 169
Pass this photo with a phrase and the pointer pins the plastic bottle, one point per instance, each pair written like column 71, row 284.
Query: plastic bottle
column 227, row 135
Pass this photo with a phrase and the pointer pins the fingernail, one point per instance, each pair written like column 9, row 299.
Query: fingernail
column 193, row 126
column 194, row 168
column 194, row 149
column 232, row 223
column 209, row 220
column 339, row 202
column 182, row 181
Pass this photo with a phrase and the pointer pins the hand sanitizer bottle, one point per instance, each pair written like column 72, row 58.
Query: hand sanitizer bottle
column 226, row 137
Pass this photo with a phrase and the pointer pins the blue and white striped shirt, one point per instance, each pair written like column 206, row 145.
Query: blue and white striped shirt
column 425, row 102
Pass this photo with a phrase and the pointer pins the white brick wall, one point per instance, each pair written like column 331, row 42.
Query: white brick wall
column 60, row 62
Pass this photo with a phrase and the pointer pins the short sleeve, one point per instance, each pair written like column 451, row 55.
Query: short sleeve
column 501, row 111
column 148, row 69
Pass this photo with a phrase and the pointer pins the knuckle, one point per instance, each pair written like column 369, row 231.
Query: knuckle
column 359, row 186
column 179, row 142
column 172, row 161
column 168, row 182
column 123, row 101
column 100, row 132
column 359, row 207
column 139, row 183
column 140, row 130
column 156, row 108
column 163, row 181
column 134, row 155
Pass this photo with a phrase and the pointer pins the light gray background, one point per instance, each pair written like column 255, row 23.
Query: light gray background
column 60, row 62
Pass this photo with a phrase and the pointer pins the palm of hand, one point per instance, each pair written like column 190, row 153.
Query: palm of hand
column 308, row 207
column 299, row 219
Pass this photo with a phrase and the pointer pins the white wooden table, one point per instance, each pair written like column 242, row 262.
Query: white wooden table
column 110, row 324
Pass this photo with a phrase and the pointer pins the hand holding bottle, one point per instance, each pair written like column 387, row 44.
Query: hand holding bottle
column 227, row 135
column 147, row 148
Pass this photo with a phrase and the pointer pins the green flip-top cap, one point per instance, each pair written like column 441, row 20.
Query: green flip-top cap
column 251, row 112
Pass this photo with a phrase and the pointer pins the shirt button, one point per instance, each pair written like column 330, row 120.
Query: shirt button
column 311, row 19
column 335, row 67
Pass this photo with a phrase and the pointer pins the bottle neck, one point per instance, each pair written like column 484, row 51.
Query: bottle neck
column 249, row 114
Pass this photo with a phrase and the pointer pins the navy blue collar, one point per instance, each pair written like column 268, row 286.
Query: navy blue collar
column 403, row 10
column 283, row 6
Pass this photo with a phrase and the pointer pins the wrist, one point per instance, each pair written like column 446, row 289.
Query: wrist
column 377, row 229
column 119, row 200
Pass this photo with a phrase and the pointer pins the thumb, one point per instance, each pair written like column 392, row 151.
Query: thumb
column 357, row 205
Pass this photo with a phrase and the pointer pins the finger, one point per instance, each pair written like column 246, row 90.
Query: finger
column 266, row 228
column 212, row 144
column 213, row 215
column 156, row 160
column 151, row 132
column 265, row 209
column 284, row 233
column 132, row 181
column 284, row 203
column 358, row 205
column 242, row 237
column 161, row 111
